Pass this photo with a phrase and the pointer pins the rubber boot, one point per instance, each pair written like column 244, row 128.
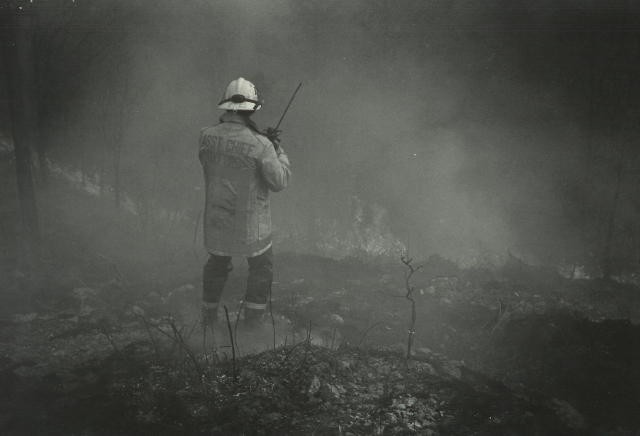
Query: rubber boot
column 209, row 316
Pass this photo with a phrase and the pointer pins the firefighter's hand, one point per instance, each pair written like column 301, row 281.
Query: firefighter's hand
column 274, row 136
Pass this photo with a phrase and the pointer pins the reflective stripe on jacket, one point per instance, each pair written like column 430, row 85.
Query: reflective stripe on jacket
column 240, row 167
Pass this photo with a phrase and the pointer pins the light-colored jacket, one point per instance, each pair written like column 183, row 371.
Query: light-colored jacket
column 240, row 167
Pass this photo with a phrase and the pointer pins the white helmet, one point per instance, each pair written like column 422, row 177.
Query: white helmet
column 240, row 95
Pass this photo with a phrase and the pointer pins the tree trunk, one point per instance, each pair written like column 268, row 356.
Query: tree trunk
column 116, row 172
column 607, row 263
column 102, row 172
column 18, row 59
column 119, row 138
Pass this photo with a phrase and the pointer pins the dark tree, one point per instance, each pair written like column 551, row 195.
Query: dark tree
column 18, row 61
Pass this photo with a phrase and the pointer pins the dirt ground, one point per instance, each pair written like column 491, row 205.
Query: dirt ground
column 102, row 337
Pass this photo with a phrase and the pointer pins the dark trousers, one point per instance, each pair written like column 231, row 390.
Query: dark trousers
column 259, row 281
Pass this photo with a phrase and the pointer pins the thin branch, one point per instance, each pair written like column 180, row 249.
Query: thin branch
column 366, row 332
column 235, row 326
column 151, row 338
column 181, row 341
column 273, row 321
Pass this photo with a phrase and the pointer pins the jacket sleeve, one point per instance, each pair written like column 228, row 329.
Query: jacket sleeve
column 275, row 168
column 201, row 150
column 201, row 146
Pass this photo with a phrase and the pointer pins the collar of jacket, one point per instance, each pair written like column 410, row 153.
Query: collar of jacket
column 235, row 117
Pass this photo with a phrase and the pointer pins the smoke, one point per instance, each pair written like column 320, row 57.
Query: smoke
column 421, row 123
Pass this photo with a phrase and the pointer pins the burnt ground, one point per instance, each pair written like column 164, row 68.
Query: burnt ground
column 102, row 338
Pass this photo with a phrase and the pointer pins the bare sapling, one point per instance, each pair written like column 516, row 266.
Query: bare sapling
column 273, row 321
column 233, row 347
column 411, row 270
column 235, row 326
column 177, row 338
column 367, row 331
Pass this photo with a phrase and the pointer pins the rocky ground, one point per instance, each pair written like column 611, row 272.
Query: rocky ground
column 102, row 338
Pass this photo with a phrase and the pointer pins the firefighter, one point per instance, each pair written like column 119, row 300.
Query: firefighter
column 241, row 167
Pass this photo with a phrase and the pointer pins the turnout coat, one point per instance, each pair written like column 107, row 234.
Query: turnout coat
column 240, row 167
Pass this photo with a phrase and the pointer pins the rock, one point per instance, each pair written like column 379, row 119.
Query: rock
column 180, row 295
column 422, row 367
column 314, row 387
column 137, row 310
column 568, row 414
column 345, row 363
column 336, row 319
column 25, row 317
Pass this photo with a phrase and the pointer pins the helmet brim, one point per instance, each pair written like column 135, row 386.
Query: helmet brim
column 244, row 106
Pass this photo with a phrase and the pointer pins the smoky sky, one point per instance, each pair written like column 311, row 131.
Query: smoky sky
column 464, row 122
